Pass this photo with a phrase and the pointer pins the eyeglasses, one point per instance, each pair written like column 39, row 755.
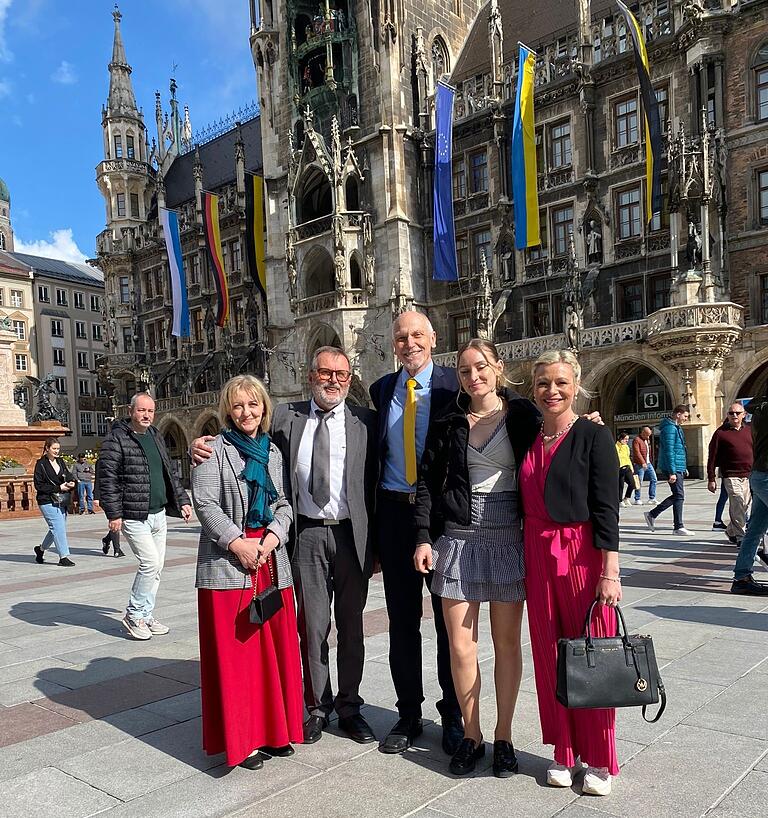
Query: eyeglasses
column 342, row 375
column 735, row 413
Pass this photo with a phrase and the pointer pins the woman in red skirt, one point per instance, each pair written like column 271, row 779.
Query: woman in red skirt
column 250, row 674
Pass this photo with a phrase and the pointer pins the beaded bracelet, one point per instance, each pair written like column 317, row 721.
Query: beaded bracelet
column 611, row 579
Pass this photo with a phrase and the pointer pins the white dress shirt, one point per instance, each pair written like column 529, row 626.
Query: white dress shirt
column 336, row 508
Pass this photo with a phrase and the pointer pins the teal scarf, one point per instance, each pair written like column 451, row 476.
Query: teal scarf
column 261, row 489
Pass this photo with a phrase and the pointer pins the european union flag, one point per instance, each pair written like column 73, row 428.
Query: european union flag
column 446, row 267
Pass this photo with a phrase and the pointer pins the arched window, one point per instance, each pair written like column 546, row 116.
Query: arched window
column 760, row 72
column 318, row 274
column 355, row 275
column 351, row 194
column 316, row 196
column 441, row 61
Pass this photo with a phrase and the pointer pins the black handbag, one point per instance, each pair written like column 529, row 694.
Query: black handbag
column 267, row 603
column 613, row 671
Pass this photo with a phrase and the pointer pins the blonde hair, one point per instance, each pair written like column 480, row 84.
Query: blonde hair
column 561, row 356
column 251, row 385
column 490, row 355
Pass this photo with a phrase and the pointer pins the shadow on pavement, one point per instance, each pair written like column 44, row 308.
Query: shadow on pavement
column 64, row 614
column 711, row 615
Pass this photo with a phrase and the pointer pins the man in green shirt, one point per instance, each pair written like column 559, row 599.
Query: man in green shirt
column 138, row 489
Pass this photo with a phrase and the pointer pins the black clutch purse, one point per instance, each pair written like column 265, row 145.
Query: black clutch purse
column 267, row 603
column 613, row 671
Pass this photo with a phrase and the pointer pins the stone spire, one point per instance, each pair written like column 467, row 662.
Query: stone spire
column 122, row 101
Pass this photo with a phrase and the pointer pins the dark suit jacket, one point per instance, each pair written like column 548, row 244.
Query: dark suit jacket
column 444, row 388
column 288, row 422
column 581, row 482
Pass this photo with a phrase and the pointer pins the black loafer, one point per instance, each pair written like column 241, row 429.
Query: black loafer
column 357, row 728
column 313, row 729
column 39, row 555
column 105, row 545
column 278, row 752
column 119, row 553
column 66, row 562
column 749, row 587
column 402, row 735
column 504, row 759
column 453, row 733
column 465, row 758
column 254, row 762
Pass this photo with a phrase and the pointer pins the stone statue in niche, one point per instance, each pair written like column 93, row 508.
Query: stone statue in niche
column 340, row 270
column 594, row 243
column 572, row 328
column 693, row 247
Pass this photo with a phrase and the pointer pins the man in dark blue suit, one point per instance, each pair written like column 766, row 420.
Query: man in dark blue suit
column 421, row 388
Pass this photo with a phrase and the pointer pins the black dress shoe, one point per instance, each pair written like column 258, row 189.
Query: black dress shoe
column 504, row 759
column 39, row 555
column 66, row 562
column 453, row 733
column 105, row 545
column 278, row 752
column 119, row 552
column 749, row 587
column 402, row 735
column 313, row 729
column 357, row 728
column 465, row 758
column 254, row 762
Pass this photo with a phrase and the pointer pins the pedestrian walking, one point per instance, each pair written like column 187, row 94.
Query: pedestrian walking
column 730, row 453
column 469, row 534
column 743, row 579
column 84, row 473
column 642, row 460
column 571, row 538
column 673, row 465
column 139, row 489
column 250, row 673
column 626, row 474
column 53, row 484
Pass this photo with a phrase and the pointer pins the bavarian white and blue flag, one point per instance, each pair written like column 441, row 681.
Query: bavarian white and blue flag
column 170, row 222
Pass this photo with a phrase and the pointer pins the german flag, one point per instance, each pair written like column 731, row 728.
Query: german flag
column 215, row 258
column 254, row 230
column 653, row 145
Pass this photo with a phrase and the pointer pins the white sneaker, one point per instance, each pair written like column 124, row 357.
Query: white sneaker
column 597, row 781
column 653, row 502
column 649, row 521
column 625, row 503
column 637, row 503
column 138, row 630
column 683, row 532
column 558, row 775
column 156, row 629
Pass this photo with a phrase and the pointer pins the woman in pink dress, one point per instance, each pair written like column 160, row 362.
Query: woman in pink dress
column 571, row 536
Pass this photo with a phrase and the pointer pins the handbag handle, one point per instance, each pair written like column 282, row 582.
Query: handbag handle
column 662, row 705
column 620, row 623
column 272, row 571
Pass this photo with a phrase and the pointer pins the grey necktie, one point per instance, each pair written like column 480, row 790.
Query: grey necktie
column 320, row 476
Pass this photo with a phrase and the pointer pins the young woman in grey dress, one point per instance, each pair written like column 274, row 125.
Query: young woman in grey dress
column 469, row 534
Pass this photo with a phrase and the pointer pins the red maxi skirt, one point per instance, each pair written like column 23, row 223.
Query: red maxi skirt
column 250, row 674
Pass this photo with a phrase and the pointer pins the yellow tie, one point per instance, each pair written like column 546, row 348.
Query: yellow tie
column 409, row 431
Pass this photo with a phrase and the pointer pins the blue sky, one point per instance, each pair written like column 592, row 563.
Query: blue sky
column 54, row 80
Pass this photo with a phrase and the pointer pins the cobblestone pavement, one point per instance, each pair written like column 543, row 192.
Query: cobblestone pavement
column 92, row 722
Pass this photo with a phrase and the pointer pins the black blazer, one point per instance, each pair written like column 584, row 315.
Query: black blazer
column 581, row 482
column 444, row 388
column 443, row 493
column 47, row 482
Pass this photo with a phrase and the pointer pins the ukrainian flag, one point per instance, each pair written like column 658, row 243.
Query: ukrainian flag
column 524, row 192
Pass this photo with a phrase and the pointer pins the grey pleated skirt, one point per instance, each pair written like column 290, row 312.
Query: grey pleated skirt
column 483, row 562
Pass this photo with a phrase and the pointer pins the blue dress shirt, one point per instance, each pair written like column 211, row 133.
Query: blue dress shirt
column 394, row 465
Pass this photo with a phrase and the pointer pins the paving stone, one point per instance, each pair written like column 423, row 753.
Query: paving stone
column 748, row 797
column 28, row 690
column 25, row 721
column 668, row 773
column 728, row 712
column 719, row 660
column 49, row 792
column 578, row 809
column 179, row 708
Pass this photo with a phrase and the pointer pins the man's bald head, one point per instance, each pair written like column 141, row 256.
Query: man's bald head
column 413, row 340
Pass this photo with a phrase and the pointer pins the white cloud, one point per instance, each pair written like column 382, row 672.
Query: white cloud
column 5, row 53
column 64, row 74
column 62, row 246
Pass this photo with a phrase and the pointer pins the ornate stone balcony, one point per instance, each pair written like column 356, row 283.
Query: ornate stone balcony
column 313, row 228
column 694, row 335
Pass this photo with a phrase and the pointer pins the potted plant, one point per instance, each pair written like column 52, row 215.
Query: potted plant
column 11, row 468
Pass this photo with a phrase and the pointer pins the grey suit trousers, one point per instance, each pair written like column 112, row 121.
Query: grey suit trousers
column 326, row 570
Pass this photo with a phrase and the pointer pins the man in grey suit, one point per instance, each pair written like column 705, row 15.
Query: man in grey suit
column 330, row 448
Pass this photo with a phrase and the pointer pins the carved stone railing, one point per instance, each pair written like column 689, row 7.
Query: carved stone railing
column 316, row 227
column 628, row 248
column 696, row 316
column 613, row 334
column 193, row 401
column 536, row 269
column 477, row 201
column 124, row 166
column 555, row 178
column 121, row 360
column 658, row 242
column 235, row 277
column 622, row 157
column 318, row 303
column 353, row 219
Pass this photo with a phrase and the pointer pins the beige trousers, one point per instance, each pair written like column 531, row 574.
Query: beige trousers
column 739, row 498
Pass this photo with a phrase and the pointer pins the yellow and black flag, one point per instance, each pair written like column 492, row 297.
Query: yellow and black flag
column 254, row 230
column 651, row 111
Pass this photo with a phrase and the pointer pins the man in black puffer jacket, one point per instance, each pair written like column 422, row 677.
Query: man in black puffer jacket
column 138, row 489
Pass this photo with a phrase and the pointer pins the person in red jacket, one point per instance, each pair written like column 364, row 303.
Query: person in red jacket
column 730, row 451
